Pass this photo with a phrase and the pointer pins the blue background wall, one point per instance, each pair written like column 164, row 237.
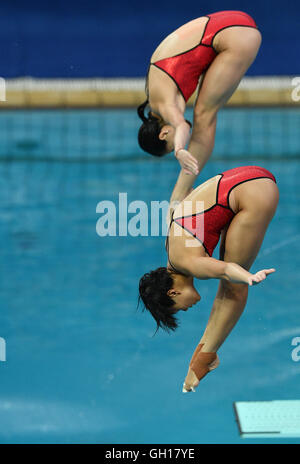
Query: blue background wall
column 116, row 38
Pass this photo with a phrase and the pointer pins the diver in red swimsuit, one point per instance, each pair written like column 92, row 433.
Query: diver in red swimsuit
column 186, row 68
column 238, row 205
column 215, row 50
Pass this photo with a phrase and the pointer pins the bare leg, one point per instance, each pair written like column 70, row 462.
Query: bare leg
column 227, row 309
column 239, row 49
column 242, row 243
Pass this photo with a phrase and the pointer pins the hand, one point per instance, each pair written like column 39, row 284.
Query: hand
column 188, row 163
column 204, row 363
column 255, row 279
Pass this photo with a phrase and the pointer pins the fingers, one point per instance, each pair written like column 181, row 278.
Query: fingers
column 194, row 165
column 255, row 279
column 188, row 163
column 193, row 162
column 191, row 169
column 186, row 171
column 260, row 276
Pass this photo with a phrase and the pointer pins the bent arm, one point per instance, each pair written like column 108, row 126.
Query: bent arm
column 173, row 116
column 200, row 147
column 211, row 268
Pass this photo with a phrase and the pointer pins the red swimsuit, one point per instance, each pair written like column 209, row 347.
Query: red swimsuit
column 186, row 68
column 220, row 214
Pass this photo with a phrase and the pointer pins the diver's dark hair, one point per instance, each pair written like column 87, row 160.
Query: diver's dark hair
column 153, row 288
column 148, row 136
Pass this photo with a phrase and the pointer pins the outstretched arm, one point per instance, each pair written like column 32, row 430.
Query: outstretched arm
column 211, row 268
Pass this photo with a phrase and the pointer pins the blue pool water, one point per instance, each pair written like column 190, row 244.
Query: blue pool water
column 81, row 363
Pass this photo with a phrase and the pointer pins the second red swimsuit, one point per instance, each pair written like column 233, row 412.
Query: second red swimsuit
column 220, row 214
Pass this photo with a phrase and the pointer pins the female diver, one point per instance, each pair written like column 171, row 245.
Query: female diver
column 215, row 51
column 237, row 205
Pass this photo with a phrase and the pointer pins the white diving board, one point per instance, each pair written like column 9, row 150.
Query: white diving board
column 279, row 418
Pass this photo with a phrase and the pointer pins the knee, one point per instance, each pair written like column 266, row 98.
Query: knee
column 204, row 112
column 204, row 119
column 234, row 291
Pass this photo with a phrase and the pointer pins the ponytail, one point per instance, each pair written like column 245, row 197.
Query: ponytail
column 141, row 111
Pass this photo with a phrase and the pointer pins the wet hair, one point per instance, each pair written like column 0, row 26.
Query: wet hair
column 148, row 136
column 153, row 288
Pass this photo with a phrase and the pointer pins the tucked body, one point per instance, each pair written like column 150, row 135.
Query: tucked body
column 212, row 52
column 237, row 206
